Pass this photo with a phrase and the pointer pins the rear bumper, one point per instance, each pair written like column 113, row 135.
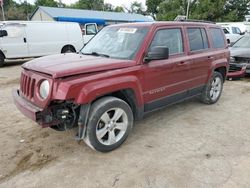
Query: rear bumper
column 28, row 109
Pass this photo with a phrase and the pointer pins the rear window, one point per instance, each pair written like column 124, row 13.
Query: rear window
column 217, row 38
column 197, row 39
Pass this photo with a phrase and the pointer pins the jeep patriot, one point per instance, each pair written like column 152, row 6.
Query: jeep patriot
column 123, row 73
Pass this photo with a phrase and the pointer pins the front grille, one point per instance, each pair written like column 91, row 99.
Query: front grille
column 234, row 68
column 27, row 86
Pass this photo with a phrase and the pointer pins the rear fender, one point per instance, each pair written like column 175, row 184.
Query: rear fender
column 217, row 64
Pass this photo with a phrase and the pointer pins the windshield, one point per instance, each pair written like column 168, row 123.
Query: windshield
column 116, row 42
column 244, row 42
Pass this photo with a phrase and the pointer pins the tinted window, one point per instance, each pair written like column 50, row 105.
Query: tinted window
column 171, row 38
column 197, row 39
column 236, row 30
column 217, row 38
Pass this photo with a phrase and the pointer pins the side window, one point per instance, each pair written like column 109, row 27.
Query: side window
column 91, row 29
column 217, row 38
column 225, row 31
column 197, row 39
column 171, row 38
column 238, row 30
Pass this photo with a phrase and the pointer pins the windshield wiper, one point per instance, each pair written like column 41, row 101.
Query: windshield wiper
column 97, row 54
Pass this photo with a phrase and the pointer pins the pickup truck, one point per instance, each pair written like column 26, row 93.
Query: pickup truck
column 125, row 72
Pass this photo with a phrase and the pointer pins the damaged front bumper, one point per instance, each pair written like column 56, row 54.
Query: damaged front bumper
column 238, row 70
column 61, row 114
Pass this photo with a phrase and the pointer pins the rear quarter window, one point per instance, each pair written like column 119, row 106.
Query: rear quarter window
column 217, row 38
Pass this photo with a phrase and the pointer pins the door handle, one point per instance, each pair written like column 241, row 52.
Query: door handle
column 210, row 57
column 24, row 40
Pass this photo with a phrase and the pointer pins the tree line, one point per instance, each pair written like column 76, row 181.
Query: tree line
column 212, row 10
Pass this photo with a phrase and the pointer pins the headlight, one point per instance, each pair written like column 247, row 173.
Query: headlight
column 44, row 89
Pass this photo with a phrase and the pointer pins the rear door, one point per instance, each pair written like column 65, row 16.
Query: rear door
column 15, row 44
column 201, row 57
column 166, row 81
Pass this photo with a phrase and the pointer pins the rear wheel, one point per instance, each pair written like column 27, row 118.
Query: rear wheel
column 110, row 122
column 68, row 49
column 213, row 89
column 1, row 60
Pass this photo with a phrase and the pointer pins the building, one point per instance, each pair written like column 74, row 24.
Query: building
column 85, row 16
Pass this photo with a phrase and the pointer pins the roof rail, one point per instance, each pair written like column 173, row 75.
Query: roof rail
column 191, row 20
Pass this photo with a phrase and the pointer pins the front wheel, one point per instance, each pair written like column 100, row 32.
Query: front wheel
column 213, row 89
column 110, row 122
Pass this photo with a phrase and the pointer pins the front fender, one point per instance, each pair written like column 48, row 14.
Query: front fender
column 96, row 89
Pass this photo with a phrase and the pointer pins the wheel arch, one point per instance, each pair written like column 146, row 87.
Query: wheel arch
column 2, row 54
column 223, row 71
column 127, row 95
column 68, row 46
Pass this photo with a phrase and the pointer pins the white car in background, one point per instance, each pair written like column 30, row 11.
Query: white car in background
column 26, row 39
column 232, row 34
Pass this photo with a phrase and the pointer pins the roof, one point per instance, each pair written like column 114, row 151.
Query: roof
column 66, row 13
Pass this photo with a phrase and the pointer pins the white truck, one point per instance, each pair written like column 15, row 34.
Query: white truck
column 233, row 33
column 26, row 39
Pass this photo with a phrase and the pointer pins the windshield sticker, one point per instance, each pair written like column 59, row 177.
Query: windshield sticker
column 127, row 30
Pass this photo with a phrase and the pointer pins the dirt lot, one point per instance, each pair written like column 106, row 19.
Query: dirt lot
column 185, row 145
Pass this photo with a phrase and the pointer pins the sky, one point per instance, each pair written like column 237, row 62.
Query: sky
column 126, row 3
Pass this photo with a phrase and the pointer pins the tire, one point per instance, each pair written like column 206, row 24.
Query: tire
column 213, row 89
column 110, row 122
column 1, row 60
column 68, row 49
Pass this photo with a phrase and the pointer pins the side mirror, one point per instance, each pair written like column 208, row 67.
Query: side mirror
column 3, row 33
column 157, row 53
column 242, row 33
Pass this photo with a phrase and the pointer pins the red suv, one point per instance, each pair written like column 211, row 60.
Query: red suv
column 123, row 73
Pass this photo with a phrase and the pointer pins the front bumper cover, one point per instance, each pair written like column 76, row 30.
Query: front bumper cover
column 29, row 110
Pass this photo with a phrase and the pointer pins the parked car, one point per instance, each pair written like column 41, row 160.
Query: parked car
column 24, row 39
column 232, row 37
column 125, row 72
column 240, row 58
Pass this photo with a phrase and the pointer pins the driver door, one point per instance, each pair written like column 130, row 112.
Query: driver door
column 166, row 81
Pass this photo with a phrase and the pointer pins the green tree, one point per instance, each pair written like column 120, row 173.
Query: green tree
column 17, row 11
column 49, row 3
column 212, row 10
column 153, row 7
column 119, row 9
column 136, row 7
column 89, row 4
column 108, row 7
column 169, row 9
column 235, row 10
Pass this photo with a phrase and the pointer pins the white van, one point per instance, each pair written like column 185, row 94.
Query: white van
column 25, row 39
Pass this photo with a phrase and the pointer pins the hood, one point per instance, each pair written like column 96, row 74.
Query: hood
column 240, row 52
column 69, row 64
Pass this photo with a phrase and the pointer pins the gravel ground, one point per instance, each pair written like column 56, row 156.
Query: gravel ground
column 186, row 145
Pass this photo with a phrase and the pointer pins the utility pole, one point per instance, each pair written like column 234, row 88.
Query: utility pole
column 1, row 2
column 188, row 5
